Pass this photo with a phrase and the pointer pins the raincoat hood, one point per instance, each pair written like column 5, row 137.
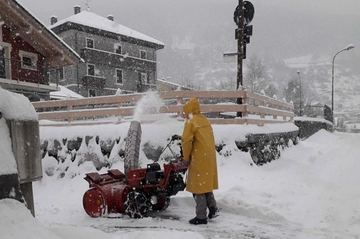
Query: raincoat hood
column 192, row 107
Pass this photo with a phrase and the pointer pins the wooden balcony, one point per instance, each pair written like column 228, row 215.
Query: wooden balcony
column 97, row 82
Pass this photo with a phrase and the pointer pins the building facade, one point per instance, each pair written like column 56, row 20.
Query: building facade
column 29, row 52
column 115, row 56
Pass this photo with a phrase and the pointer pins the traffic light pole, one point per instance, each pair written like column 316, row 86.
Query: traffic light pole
column 239, row 81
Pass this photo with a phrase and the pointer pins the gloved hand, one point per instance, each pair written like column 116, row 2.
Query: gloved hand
column 175, row 137
column 186, row 163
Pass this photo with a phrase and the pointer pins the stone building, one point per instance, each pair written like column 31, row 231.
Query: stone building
column 116, row 57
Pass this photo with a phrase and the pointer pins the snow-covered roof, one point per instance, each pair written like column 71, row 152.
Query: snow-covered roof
column 91, row 19
column 64, row 94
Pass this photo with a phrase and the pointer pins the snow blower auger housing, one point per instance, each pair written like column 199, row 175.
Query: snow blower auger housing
column 143, row 190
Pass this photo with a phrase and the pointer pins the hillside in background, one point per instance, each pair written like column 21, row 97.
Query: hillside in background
column 286, row 39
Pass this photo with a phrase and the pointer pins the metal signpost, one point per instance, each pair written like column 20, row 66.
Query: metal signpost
column 243, row 15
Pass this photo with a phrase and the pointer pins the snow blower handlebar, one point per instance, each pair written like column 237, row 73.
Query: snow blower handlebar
column 175, row 137
column 177, row 158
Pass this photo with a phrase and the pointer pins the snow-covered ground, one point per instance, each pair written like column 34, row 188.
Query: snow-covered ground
column 311, row 191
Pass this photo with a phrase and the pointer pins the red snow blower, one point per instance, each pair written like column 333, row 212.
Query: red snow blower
column 143, row 190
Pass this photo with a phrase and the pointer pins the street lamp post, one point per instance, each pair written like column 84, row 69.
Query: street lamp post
column 300, row 94
column 349, row 47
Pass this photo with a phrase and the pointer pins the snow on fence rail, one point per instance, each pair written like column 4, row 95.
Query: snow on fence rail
column 256, row 108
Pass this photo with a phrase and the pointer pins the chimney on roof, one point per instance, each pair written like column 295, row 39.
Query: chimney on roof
column 77, row 9
column 110, row 17
column 53, row 20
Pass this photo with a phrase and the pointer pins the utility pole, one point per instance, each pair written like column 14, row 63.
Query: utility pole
column 240, row 37
column 300, row 104
column 243, row 15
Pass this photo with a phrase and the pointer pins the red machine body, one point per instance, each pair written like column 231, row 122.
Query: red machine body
column 141, row 191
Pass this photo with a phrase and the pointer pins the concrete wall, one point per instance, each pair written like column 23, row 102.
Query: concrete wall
column 308, row 128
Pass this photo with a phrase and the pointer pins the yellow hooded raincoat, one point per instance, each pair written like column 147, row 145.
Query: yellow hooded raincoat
column 198, row 146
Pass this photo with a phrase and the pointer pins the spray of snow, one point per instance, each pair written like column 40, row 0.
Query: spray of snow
column 148, row 107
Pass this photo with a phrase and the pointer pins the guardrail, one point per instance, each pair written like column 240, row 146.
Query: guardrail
column 255, row 109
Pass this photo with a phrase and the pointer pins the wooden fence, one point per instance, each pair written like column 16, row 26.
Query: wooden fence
column 219, row 106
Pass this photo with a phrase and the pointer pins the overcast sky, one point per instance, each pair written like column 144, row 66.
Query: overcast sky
column 282, row 28
column 43, row 9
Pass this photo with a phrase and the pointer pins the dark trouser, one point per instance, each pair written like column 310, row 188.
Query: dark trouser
column 204, row 201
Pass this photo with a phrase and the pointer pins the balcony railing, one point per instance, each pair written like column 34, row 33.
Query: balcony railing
column 94, row 81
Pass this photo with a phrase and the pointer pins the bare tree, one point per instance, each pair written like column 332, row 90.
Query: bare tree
column 296, row 94
column 255, row 75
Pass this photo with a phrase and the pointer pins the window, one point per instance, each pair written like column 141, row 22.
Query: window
column 119, row 76
column 118, row 49
column 56, row 75
column 28, row 60
column 89, row 43
column 142, row 54
column 91, row 69
column 5, row 64
column 92, row 93
column 143, row 78
column 2, row 62
column 61, row 73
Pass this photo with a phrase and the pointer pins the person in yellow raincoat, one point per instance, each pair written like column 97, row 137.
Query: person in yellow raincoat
column 199, row 153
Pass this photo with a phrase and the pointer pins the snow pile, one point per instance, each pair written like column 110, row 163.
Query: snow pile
column 17, row 222
column 16, row 107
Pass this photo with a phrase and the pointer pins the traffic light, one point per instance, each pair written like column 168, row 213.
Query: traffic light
column 248, row 30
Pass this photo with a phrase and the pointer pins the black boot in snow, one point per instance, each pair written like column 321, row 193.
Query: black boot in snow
column 213, row 212
column 197, row 221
